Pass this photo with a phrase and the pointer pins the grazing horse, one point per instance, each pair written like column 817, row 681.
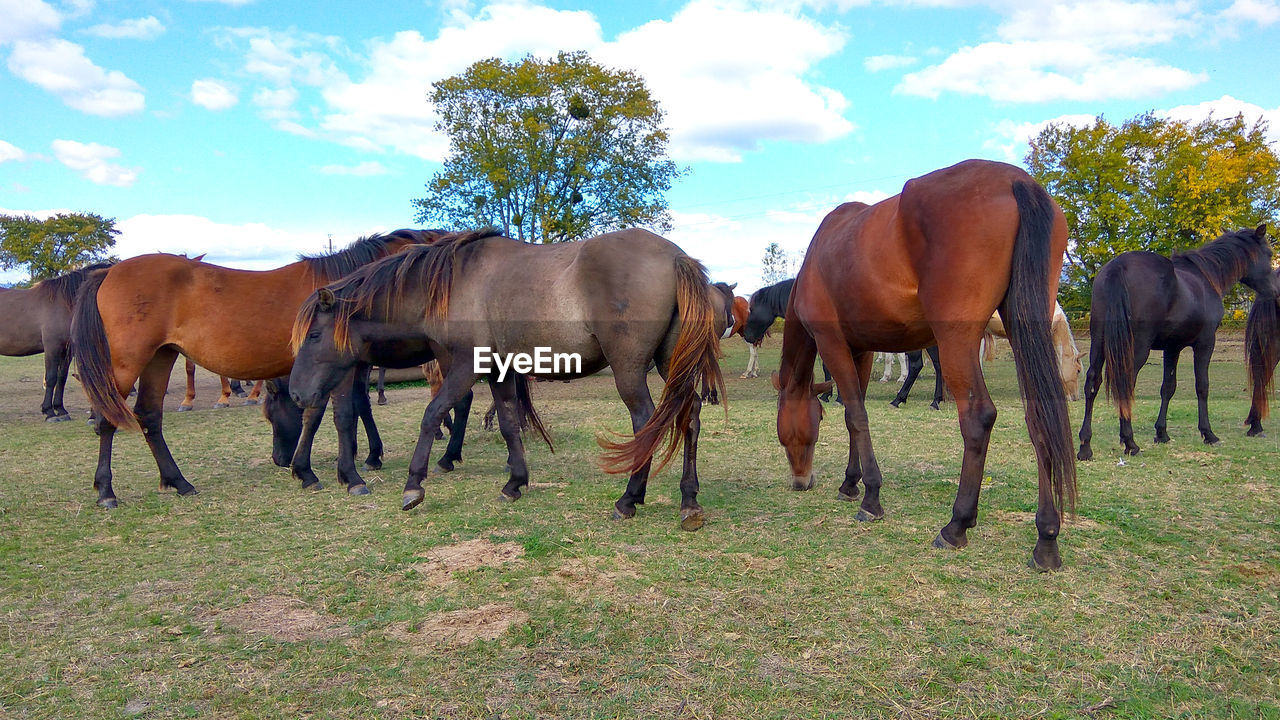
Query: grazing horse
column 915, row 364
column 1143, row 301
column 1262, row 351
column 930, row 265
column 1064, row 344
column 131, row 322
column 619, row 300
column 38, row 320
column 741, row 309
column 767, row 305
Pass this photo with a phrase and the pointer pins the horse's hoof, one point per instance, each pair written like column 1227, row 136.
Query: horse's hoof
column 252, row 402
column 800, row 483
column 184, row 408
column 412, row 498
column 220, row 405
column 1259, row 434
column 506, row 496
column 189, row 491
column 1213, row 440
column 896, row 402
column 1040, row 567
column 382, row 401
column 357, row 489
column 108, row 503
column 843, row 496
column 314, row 487
column 371, row 466
column 58, row 418
column 864, row 516
column 619, row 515
column 692, row 519
column 1134, row 451
column 942, row 543
column 441, row 469
column 1085, row 454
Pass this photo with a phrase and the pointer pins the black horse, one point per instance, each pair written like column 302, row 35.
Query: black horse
column 915, row 363
column 1143, row 301
column 767, row 305
column 1262, row 351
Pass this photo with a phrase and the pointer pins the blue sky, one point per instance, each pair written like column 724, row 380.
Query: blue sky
column 253, row 130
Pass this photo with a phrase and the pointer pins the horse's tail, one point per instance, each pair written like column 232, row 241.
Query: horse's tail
column 93, row 356
column 988, row 346
column 695, row 356
column 1117, row 345
column 1027, row 312
column 528, row 414
column 1262, row 351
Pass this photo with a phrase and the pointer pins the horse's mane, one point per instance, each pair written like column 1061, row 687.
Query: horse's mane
column 363, row 251
column 65, row 287
column 775, row 296
column 1225, row 259
column 379, row 286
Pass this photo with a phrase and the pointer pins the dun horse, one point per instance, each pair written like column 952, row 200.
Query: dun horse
column 38, row 320
column 931, row 265
column 620, row 300
column 131, row 322
column 1144, row 301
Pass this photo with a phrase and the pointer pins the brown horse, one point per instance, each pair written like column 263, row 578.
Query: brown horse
column 131, row 322
column 38, row 320
column 620, row 300
column 930, row 265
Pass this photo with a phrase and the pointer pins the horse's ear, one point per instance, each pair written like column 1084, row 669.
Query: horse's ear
column 776, row 380
column 822, row 388
column 1261, row 232
column 731, row 287
column 326, row 298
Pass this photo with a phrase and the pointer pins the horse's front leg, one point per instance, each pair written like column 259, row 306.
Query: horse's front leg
column 364, row 410
column 1167, row 387
column 457, row 383
column 915, row 363
column 963, row 374
column 56, row 363
column 346, row 400
column 457, row 431
column 1092, row 383
column 1201, row 353
column 506, row 402
column 300, row 466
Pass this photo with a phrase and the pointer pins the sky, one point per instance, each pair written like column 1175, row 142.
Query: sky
column 255, row 130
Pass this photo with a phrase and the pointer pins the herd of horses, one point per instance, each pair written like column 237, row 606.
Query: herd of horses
column 961, row 253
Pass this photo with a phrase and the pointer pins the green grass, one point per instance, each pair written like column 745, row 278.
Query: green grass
column 781, row 607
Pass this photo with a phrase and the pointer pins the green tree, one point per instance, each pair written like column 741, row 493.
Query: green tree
column 1152, row 184
column 775, row 266
column 51, row 247
column 549, row 150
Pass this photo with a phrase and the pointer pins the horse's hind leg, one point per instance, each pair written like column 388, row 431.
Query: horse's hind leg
column 382, row 386
column 1141, row 351
column 1167, row 386
column 255, row 394
column 634, row 391
column 149, row 408
column 938, row 385
column 188, row 400
column 1201, row 353
column 691, row 515
column 224, row 400
column 504, row 400
column 102, row 475
column 57, row 362
column 1092, row 383
column 963, row 374
column 457, row 431
column 915, row 363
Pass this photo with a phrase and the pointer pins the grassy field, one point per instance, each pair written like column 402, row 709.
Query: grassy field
column 255, row 599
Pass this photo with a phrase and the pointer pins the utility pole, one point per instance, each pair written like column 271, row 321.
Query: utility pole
column 330, row 243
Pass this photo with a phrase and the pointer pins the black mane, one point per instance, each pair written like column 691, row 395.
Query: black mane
column 362, row 252
column 774, row 297
column 65, row 287
column 1224, row 260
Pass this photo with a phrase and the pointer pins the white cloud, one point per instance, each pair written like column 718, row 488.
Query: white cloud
column 8, row 151
column 27, row 19
column 1012, row 138
column 91, row 161
column 1224, row 108
column 147, row 28
column 1261, row 12
column 61, row 68
column 1101, row 23
column 213, row 94
column 1044, row 71
column 364, row 169
column 878, row 63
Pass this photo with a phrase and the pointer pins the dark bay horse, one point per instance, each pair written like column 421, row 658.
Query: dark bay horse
column 1262, row 352
column 131, row 322
column 619, row 300
column 765, row 306
column 1144, row 301
column 38, row 320
column 923, row 267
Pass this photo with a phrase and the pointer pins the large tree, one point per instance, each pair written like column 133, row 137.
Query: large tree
column 64, row 242
column 1153, row 184
column 549, row 150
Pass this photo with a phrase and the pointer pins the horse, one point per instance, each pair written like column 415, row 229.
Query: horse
column 132, row 320
column 888, row 360
column 767, row 305
column 1144, row 301
column 620, row 300
column 1262, row 352
column 229, row 387
column 37, row 319
column 1064, row 343
column 930, row 265
column 915, row 364
column 742, row 308
column 723, row 298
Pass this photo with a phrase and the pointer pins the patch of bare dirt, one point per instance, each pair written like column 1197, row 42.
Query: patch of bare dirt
column 1029, row 518
column 282, row 617
column 459, row 627
column 442, row 562
column 582, row 578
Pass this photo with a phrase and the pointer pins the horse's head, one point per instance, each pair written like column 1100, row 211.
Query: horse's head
column 325, row 348
column 799, row 413
column 722, row 298
column 759, row 319
column 1259, row 276
column 285, row 418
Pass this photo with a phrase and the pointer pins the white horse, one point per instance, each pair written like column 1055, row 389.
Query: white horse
column 887, row 359
column 1064, row 344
